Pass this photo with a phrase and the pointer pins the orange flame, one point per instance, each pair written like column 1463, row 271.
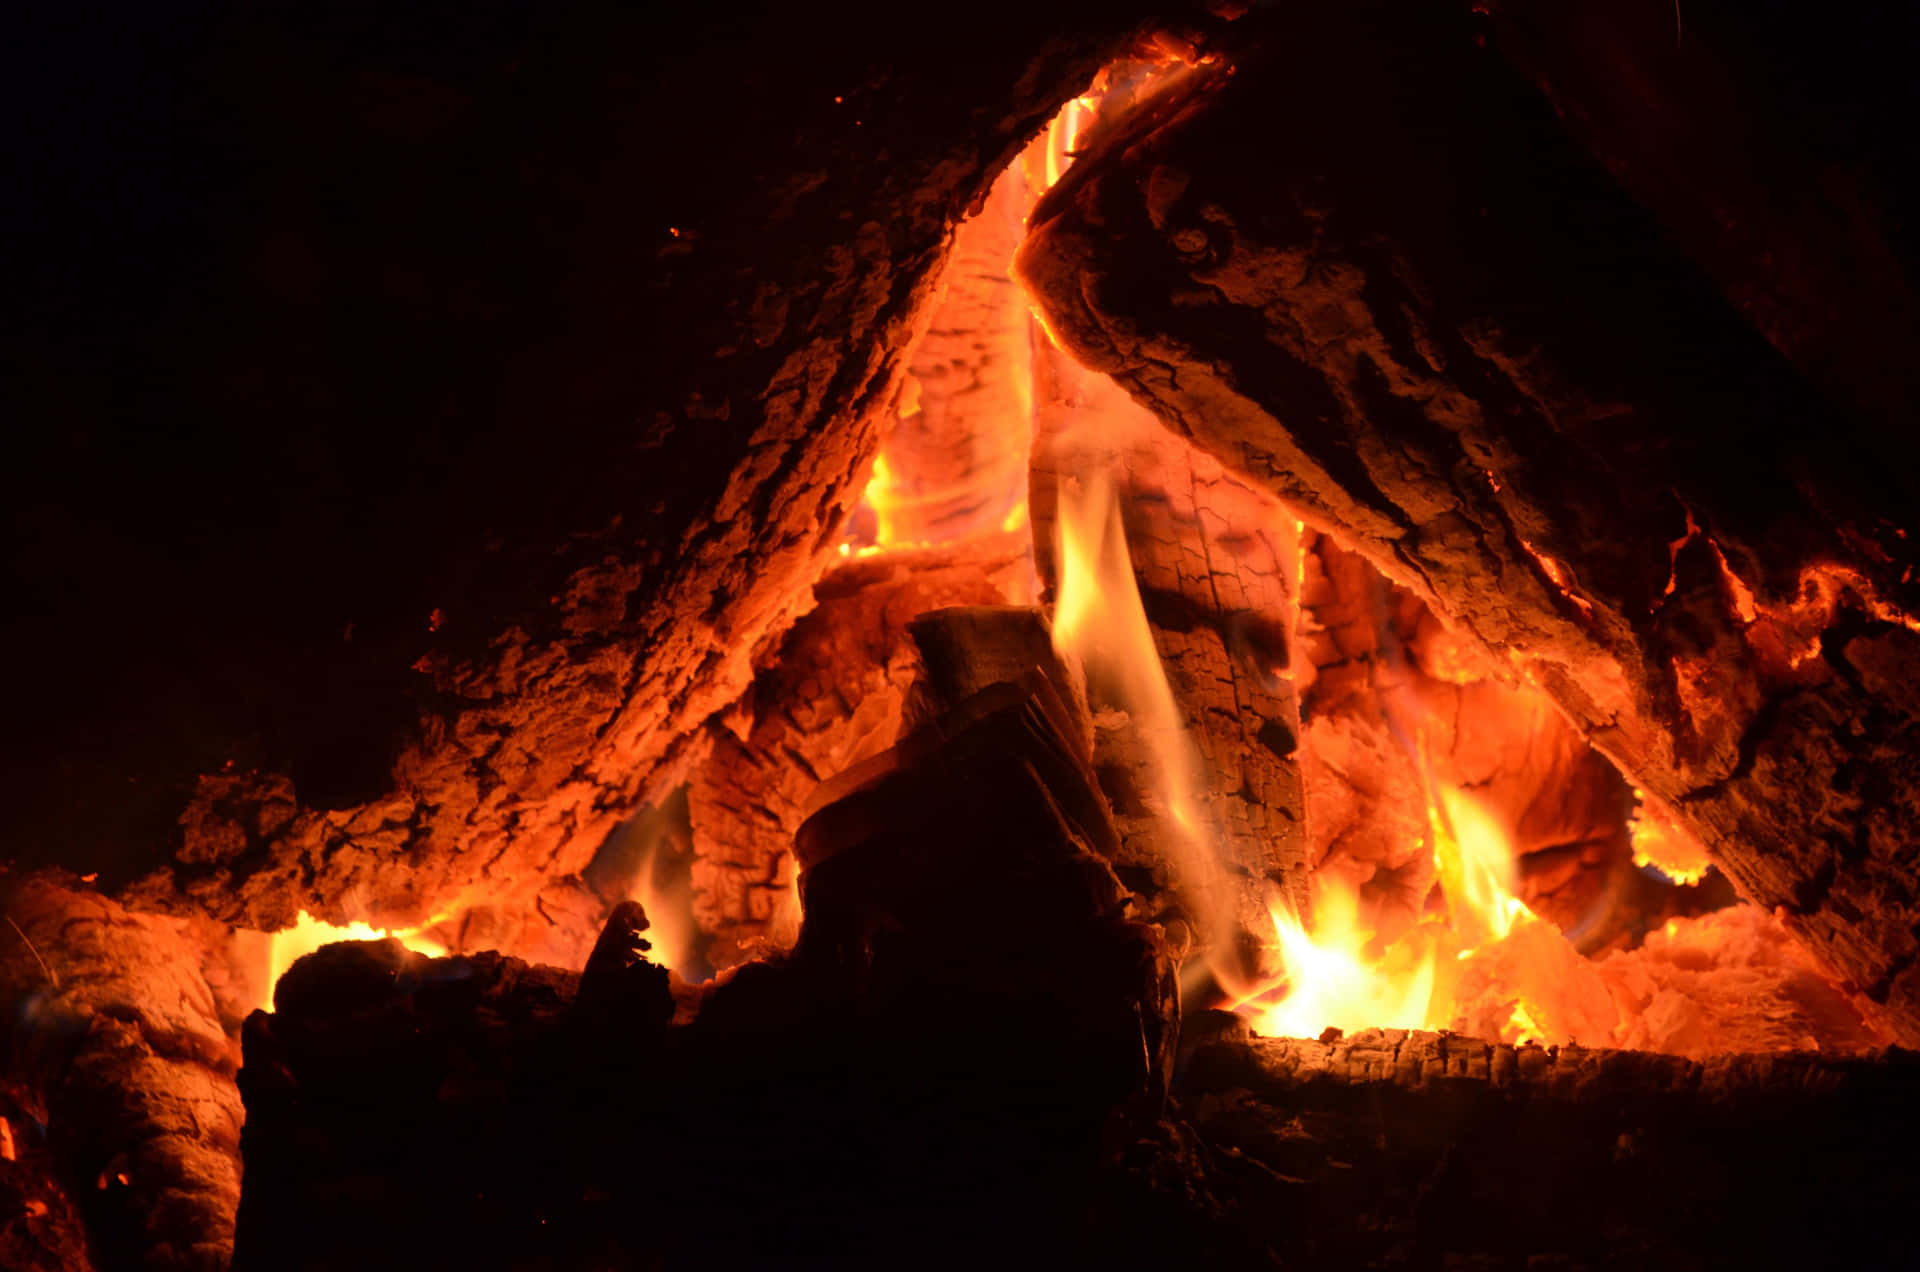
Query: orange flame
column 670, row 927
column 1512, row 976
column 308, row 934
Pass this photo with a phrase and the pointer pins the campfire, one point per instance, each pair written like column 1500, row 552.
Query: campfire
column 1192, row 679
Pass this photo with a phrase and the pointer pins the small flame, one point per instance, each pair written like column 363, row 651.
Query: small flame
column 670, row 928
column 1330, row 981
column 1660, row 842
column 1335, row 978
column 308, row 934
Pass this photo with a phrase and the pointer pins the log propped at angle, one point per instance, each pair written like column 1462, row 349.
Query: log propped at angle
column 1364, row 265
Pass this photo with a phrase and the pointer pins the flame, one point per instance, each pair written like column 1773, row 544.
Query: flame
column 1330, row 981
column 1476, row 869
column 670, row 928
column 1501, row 981
column 308, row 934
column 1099, row 619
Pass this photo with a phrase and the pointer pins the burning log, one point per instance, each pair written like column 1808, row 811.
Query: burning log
column 1437, row 1148
column 1212, row 561
column 834, row 695
column 1434, row 326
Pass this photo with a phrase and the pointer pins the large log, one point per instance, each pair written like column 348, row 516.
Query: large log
column 1433, row 325
column 1437, row 1149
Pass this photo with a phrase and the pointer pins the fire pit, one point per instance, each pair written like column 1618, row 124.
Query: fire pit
column 1237, row 636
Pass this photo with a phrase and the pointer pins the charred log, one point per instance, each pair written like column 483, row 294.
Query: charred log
column 1438, row 1149
column 1451, row 342
column 113, row 1024
column 833, row 695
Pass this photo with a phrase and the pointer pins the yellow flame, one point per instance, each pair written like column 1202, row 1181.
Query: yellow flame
column 1658, row 841
column 1099, row 619
column 1476, row 869
column 1334, row 978
column 308, row 934
column 1331, row 983
column 670, row 929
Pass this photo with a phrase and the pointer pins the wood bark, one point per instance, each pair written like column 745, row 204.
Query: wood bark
column 1437, row 329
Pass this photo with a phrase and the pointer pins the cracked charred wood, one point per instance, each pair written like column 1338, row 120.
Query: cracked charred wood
column 439, row 620
column 833, row 695
column 1212, row 558
column 113, row 1024
column 1436, row 1147
column 1434, row 326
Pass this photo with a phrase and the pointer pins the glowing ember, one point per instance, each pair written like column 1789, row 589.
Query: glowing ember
column 1660, row 842
column 308, row 934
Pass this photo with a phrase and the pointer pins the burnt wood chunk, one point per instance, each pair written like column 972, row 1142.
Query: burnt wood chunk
column 833, row 695
column 1432, row 324
column 968, row 1024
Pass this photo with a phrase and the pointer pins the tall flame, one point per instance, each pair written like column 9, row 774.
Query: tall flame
column 1099, row 619
column 670, row 926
